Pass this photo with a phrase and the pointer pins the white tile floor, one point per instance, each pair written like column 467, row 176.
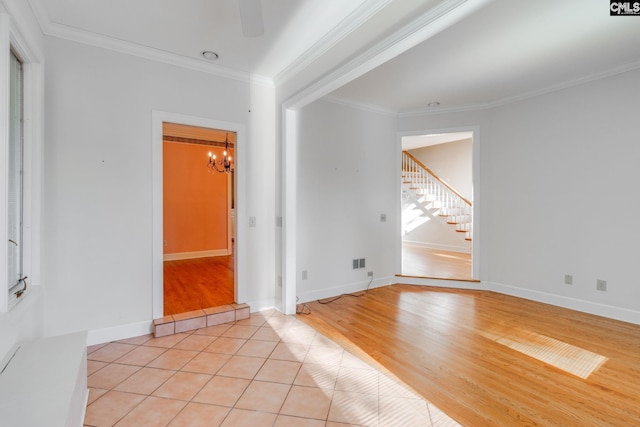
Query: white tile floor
column 268, row 370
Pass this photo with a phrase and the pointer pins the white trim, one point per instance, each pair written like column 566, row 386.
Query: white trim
column 523, row 96
column 240, row 260
column 231, row 214
column 33, row 118
column 566, row 85
column 54, row 29
column 443, row 110
column 348, row 25
column 193, row 255
column 584, row 306
column 5, row 48
column 260, row 305
column 609, row 311
column 429, row 111
column 440, row 283
column 290, row 202
column 475, row 153
column 438, row 246
column 427, row 25
column 345, row 289
column 120, row 332
column 33, row 171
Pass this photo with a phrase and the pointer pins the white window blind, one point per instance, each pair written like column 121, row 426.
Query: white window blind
column 15, row 181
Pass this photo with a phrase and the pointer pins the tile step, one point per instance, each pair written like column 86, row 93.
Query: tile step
column 183, row 322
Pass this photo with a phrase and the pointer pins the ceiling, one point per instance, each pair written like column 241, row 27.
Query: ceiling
column 500, row 51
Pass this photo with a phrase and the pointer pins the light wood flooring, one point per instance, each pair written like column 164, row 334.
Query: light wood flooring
column 446, row 345
column 423, row 262
column 194, row 284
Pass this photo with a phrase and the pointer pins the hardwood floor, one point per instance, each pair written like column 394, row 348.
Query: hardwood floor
column 423, row 262
column 443, row 343
column 193, row 284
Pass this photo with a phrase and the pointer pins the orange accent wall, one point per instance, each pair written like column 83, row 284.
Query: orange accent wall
column 195, row 200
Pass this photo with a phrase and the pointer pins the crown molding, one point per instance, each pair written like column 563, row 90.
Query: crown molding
column 567, row 84
column 523, row 96
column 348, row 25
column 101, row 41
column 430, row 23
column 427, row 111
column 24, row 31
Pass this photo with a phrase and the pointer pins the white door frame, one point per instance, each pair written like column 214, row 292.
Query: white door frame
column 157, row 119
column 475, row 243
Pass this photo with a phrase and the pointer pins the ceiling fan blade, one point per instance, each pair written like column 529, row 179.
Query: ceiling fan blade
column 251, row 17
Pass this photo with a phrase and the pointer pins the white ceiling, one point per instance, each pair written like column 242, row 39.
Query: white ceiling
column 505, row 49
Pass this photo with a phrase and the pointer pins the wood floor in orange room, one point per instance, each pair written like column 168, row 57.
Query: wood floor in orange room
column 487, row 359
column 194, row 284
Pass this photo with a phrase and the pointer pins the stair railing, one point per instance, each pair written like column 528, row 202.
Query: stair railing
column 424, row 182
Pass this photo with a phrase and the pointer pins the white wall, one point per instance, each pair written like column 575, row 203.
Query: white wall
column 558, row 194
column 451, row 162
column 346, row 179
column 562, row 191
column 98, row 179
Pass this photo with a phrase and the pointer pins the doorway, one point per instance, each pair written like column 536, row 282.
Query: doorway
column 198, row 217
column 437, row 215
column 158, row 118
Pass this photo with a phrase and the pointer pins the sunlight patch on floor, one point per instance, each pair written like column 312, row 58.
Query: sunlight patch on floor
column 564, row 356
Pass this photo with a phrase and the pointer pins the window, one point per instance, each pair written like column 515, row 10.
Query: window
column 21, row 138
column 15, row 274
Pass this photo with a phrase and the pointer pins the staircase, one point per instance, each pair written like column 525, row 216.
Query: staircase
column 426, row 196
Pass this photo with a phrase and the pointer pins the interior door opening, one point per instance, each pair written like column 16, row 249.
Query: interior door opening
column 437, row 206
column 198, row 173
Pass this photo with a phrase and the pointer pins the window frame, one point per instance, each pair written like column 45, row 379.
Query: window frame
column 15, row 183
column 13, row 40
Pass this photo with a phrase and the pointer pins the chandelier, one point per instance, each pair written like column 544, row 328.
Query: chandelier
column 224, row 164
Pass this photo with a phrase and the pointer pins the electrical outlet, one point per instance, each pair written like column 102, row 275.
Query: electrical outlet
column 568, row 279
column 304, row 274
column 601, row 285
column 383, row 217
column 369, row 273
column 356, row 264
column 361, row 263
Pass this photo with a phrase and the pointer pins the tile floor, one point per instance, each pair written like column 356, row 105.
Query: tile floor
column 268, row 370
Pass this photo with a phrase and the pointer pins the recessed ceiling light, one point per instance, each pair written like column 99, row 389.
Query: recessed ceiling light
column 433, row 104
column 210, row 55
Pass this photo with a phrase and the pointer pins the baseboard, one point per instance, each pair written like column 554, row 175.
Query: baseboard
column 344, row 289
column 439, row 247
column 120, row 332
column 609, row 311
column 193, row 255
column 259, row 305
column 440, row 283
